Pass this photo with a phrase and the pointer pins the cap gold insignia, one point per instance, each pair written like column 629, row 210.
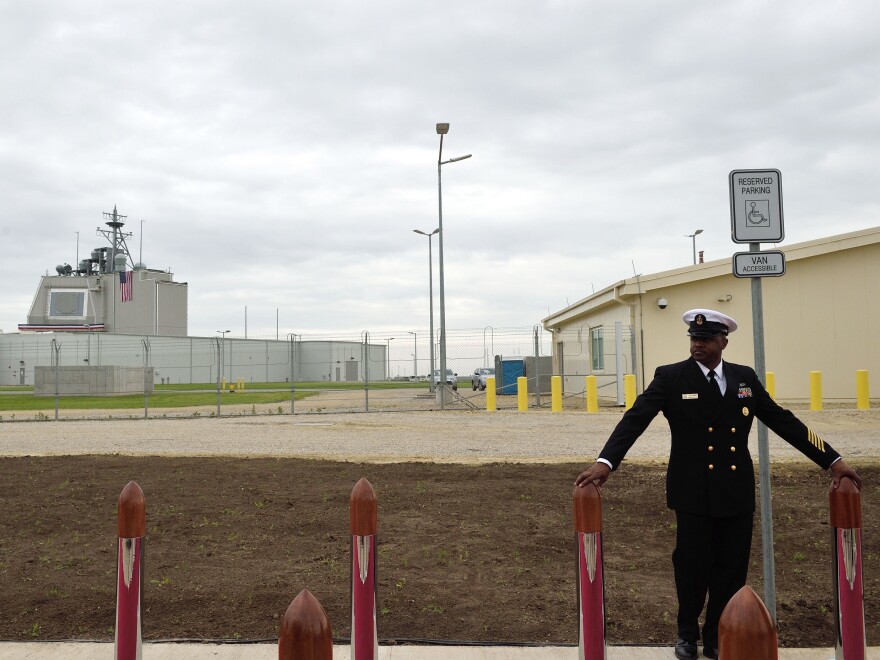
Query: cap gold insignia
column 745, row 411
column 699, row 318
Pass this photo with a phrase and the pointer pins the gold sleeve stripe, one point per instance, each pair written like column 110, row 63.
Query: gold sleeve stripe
column 815, row 440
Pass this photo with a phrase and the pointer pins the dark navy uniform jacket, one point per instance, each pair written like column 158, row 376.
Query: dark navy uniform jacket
column 710, row 468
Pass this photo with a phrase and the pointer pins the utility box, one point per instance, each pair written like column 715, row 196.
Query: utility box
column 539, row 370
column 507, row 370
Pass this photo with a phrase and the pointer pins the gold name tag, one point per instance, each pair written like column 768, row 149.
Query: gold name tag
column 690, row 396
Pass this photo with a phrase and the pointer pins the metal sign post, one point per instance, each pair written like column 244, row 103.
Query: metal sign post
column 755, row 216
column 763, row 450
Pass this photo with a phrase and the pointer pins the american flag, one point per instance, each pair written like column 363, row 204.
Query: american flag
column 125, row 284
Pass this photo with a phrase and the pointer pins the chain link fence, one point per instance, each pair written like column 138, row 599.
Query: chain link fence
column 96, row 375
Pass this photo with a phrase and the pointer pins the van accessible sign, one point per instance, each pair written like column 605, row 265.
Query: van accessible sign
column 756, row 206
column 759, row 264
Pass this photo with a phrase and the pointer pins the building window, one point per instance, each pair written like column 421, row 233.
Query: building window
column 67, row 304
column 597, row 348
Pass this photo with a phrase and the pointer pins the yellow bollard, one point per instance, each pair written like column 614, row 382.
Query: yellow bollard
column 592, row 395
column 240, row 384
column 815, row 390
column 556, row 393
column 222, row 383
column 771, row 384
column 522, row 393
column 629, row 390
column 863, row 401
column 490, row 394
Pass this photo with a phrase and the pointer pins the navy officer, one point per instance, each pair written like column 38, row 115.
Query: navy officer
column 710, row 481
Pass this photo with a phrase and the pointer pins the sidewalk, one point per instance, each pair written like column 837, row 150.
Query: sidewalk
column 171, row 651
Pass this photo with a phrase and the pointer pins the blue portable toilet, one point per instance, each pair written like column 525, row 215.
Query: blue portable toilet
column 509, row 369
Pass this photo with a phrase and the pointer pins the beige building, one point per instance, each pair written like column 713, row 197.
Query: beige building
column 154, row 304
column 822, row 315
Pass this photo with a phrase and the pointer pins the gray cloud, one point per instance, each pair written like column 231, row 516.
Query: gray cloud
column 281, row 155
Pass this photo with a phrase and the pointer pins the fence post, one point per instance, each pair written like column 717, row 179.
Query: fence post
column 746, row 629
column 592, row 395
column 146, row 345
column 522, row 393
column 305, row 632
column 629, row 387
column 220, row 380
column 863, row 400
column 56, row 348
column 846, row 522
column 771, row 384
column 131, row 528
column 556, row 393
column 591, row 586
column 815, row 390
column 363, row 516
column 491, row 394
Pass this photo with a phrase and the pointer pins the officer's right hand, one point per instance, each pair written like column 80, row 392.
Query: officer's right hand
column 597, row 474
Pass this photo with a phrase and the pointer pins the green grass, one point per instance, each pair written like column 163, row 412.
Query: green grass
column 185, row 395
column 13, row 402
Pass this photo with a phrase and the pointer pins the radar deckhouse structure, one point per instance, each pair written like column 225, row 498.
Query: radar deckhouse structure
column 108, row 292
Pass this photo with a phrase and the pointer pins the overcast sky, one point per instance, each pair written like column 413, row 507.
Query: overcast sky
column 280, row 154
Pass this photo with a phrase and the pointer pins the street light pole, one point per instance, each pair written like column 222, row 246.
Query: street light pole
column 693, row 238
column 430, row 301
column 415, row 355
column 222, row 334
column 442, row 129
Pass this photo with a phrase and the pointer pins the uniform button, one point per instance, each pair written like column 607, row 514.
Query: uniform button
column 733, row 449
column 711, row 448
column 711, row 429
column 711, row 467
column 733, row 467
column 733, row 430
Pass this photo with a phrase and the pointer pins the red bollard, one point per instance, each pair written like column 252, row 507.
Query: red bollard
column 363, row 512
column 846, row 522
column 591, row 586
column 305, row 631
column 131, row 515
column 746, row 629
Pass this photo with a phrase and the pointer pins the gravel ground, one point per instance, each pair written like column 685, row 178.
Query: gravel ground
column 443, row 437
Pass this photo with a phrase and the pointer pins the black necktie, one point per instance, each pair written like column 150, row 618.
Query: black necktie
column 713, row 383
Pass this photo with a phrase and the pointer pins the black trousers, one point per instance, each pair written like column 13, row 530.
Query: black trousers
column 711, row 557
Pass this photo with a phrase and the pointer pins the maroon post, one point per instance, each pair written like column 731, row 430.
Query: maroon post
column 846, row 523
column 131, row 513
column 591, row 586
column 305, row 631
column 746, row 629
column 363, row 512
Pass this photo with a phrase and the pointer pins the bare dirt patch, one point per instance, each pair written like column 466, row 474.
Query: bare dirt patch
column 479, row 552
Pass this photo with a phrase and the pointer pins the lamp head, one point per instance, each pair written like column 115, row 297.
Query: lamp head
column 442, row 129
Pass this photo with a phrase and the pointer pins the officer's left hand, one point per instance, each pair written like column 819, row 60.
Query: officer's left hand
column 840, row 469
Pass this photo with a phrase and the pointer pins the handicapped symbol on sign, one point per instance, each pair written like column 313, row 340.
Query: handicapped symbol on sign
column 758, row 215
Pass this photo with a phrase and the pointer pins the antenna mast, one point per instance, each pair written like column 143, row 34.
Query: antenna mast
column 116, row 237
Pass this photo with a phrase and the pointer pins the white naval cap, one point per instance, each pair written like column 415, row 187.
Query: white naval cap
column 708, row 323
